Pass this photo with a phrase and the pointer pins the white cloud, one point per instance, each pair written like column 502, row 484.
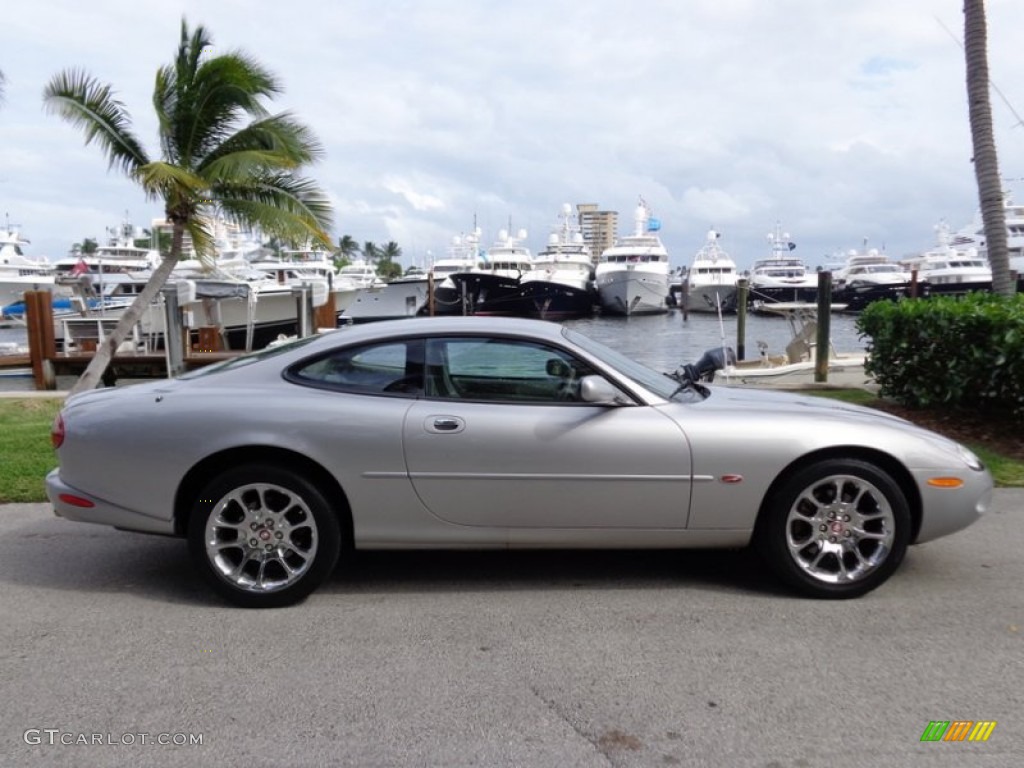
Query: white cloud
column 844, row 121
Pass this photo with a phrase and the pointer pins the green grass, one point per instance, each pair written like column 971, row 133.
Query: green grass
column 25, row 451
column 1007, row 472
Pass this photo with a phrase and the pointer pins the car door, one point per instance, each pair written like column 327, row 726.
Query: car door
column 501, row 440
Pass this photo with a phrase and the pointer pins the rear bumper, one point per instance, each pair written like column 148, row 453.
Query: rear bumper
column 91, row 509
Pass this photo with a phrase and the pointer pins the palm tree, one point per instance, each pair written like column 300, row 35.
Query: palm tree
column 388, row 266
column 986, row 162
column 222, row 153
column 346, row 250
column 371, row 252
column 392, row 251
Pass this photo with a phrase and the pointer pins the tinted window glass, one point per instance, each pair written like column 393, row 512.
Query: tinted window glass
column 505, row 370
column 390, row 368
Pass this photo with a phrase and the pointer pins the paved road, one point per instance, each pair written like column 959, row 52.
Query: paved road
column 510, row 659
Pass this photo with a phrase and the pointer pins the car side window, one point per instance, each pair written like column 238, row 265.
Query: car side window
column 502, row 370
column 393, row 368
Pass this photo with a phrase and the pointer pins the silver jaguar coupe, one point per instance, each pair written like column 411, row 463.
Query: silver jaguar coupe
column 498, row 433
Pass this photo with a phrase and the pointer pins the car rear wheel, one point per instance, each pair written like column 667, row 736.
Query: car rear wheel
column 835, row 529
column 263, row 537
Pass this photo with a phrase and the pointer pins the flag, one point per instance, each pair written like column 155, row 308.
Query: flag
column 792, row 246
column 653, row 225
column 80, row 268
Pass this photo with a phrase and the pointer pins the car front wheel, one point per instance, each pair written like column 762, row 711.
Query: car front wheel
column 835, row 529
column 263, row 537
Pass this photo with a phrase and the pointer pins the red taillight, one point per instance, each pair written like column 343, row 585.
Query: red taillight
column 57, row 431
column 76, row 501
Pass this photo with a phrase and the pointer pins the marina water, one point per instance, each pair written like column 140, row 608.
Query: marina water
column 662, row 342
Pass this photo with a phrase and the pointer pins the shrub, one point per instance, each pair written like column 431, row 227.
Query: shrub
column 948, row 352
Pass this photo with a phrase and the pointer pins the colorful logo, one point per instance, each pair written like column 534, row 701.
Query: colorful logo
column 958, row 730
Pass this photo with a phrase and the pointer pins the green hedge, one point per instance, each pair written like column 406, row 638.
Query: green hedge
column 948, row 352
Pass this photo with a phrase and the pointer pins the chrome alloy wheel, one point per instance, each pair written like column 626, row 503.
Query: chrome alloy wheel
column 261, row 537
column 840, row 529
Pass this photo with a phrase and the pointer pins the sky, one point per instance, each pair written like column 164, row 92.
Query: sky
column 845, row 124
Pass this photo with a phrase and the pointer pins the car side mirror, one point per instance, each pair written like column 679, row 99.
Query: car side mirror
column 598, row 390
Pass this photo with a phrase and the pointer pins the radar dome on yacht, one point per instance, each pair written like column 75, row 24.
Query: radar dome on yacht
column 521, row 234
column 553, row 238
column 502, row 235
column 566, row 208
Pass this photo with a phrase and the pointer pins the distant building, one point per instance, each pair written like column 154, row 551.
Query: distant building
column 598, row 227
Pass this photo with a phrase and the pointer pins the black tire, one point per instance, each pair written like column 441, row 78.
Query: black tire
column 288, row 536
column 835, row 529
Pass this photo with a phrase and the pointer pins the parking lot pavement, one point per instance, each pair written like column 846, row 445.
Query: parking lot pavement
column 110, row 645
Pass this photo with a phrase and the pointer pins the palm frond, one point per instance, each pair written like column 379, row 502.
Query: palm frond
column 86, row 103
column 280, row 141
column 200, row 230
column 207, row 98
column 164, row 181
column 290, row 207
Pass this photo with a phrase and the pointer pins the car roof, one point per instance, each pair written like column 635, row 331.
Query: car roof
column 446, row 325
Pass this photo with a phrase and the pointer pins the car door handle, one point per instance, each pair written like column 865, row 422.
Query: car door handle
column 446, row 424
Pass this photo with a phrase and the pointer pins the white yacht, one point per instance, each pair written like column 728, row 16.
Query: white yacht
column 711, row 281
column 561, row 284
column 18, row 272
column 119, row 254
column 950, row 268
column 782, row 276
column 867, row 276
column 296, row 266
column 633, row 275
column 973, row 235
column 359, row 274
column 869, row 268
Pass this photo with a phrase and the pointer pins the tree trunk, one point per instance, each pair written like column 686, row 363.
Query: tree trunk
column 101, row 359
column 986, row 162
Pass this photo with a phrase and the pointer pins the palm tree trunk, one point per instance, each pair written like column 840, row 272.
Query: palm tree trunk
column 986, row 161
column 101, row 359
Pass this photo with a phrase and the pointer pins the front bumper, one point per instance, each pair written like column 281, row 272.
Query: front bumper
column 947, row 510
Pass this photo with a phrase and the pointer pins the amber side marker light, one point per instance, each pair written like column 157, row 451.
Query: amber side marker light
column 945, row 482
column 75, row 501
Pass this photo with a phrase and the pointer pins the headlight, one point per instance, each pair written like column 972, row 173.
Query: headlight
column 970, row 459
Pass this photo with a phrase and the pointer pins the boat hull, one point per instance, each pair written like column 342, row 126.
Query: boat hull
column 633, row 291
column 711, row 298
column 401, row 298
column 550, row 300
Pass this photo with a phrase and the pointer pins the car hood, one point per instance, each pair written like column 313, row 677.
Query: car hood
column 749, row 398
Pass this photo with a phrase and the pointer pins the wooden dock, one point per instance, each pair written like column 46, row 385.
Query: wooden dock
column 186, row 348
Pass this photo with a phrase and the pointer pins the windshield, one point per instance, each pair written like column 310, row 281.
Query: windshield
column 659, row 383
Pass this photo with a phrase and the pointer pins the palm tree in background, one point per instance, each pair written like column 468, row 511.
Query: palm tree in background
column 388, row 256
column 221, row 152
column 347, row 249
column 986, row 161
column 371, row 252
